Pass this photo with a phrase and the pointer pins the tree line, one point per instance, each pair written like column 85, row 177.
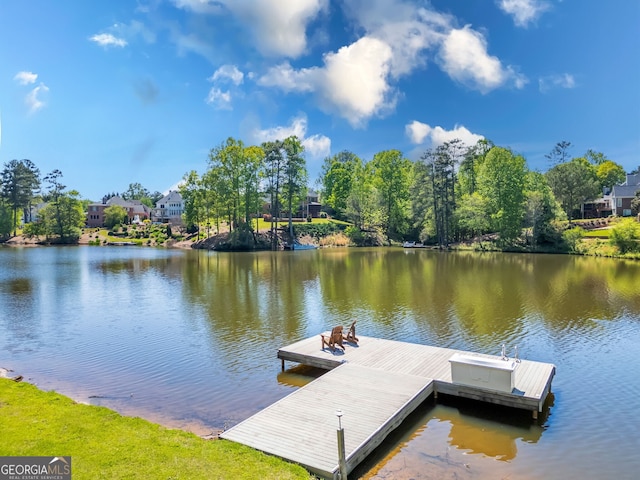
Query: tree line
column 237, row 180
column 21, row 188
column 456, row 192
column 452, row 193
column 63, row 212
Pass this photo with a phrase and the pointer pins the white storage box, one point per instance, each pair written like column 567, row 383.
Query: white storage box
column 489, row 373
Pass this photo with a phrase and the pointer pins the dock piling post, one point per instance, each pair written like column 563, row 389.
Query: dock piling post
column 342, row 461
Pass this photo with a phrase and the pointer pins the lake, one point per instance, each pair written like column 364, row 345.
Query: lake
column 188, row 339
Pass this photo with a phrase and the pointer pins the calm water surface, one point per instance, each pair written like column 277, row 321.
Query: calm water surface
column 189, row 339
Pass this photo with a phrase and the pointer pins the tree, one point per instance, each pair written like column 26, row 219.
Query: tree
column 471, row 214
column 114, row 215
column 595, row 158
column 501, row 181
column 295, row 177
column 64, row 216
column 559, row 153
column 573, row 183
column 635, row 204
column 6, row 219
column 337, row 178
column 442, row 163
column 625, row 235
column 471, row 161
column 362, row 209
column 192, row 192
column 273, row 172
column 20, row 180
column 609, row 174
column 541, row 209
column 237, row 176
column 136, row 191
column 391, row 177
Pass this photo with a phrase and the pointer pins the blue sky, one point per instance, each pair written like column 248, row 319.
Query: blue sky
column 129, row 91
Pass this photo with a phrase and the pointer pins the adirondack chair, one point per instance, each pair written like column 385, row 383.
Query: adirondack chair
column 351, row 334
column 333, row 340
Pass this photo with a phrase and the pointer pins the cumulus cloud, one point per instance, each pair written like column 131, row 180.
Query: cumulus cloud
column 219, row 99
column 279, row 26
column 409, row 31
column 464, row 57
column 563, row 80
column 357, row 82
column 34, row 98
column 228, row 72
column 523, row 11
column 108, row 40
column 25, row 78
column 419, row 132
column 352, row 83
column 316, row 146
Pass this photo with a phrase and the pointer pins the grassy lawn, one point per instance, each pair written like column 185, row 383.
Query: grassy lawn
column 597, row 233
column 104, row 444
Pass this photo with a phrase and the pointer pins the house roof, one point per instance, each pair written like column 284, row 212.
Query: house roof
column 172, row 196
column 632, row 180
column 624, row 191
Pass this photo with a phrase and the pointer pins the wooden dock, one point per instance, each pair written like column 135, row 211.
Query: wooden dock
column 376, row 384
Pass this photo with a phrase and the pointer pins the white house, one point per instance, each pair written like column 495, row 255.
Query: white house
column 169, row 208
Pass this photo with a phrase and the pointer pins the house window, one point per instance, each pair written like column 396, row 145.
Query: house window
column 618, row 202
column 626, row 212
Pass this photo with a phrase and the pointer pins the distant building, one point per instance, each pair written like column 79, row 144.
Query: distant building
column 622, row 195
column 169, row 209
column 136, row 211
column 617, row 201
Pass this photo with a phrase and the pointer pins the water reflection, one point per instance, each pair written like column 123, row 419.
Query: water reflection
column 194, row 335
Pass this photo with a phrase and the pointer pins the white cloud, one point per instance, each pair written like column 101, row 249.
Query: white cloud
column 228, row 72
column 418, row 132
column 316, row 146
column 279, row 26
column 108, row 40
column 409, row 31
column 26, row 78
column 523, row 11
column 219, row 99
column 34, row 98
column 352, row 83
column 563, row 80
column 464, row 57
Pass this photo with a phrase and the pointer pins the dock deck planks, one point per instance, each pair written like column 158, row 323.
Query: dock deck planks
column 302, row 426
column 377, row 384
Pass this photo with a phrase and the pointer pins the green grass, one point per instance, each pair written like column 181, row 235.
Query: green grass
column 604, row 233
column 104, row 444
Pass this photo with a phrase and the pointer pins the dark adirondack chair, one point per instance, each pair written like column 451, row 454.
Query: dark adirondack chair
column 350, row 337
column 333, row 340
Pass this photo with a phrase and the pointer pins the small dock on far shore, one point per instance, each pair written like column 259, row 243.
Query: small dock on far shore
column 376, row 385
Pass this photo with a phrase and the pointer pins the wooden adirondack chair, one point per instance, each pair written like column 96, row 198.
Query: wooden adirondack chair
column 333, row 340
column 351, row 334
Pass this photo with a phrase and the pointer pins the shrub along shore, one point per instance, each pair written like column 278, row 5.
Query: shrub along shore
column 105, row 444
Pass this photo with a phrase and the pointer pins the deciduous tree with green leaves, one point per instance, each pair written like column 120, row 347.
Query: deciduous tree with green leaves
column 337, row 178
column 573, row 183
column 115, row 215
column 501, row 181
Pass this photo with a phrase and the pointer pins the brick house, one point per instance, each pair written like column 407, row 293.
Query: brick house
column 136, row 211
column 622, row 195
